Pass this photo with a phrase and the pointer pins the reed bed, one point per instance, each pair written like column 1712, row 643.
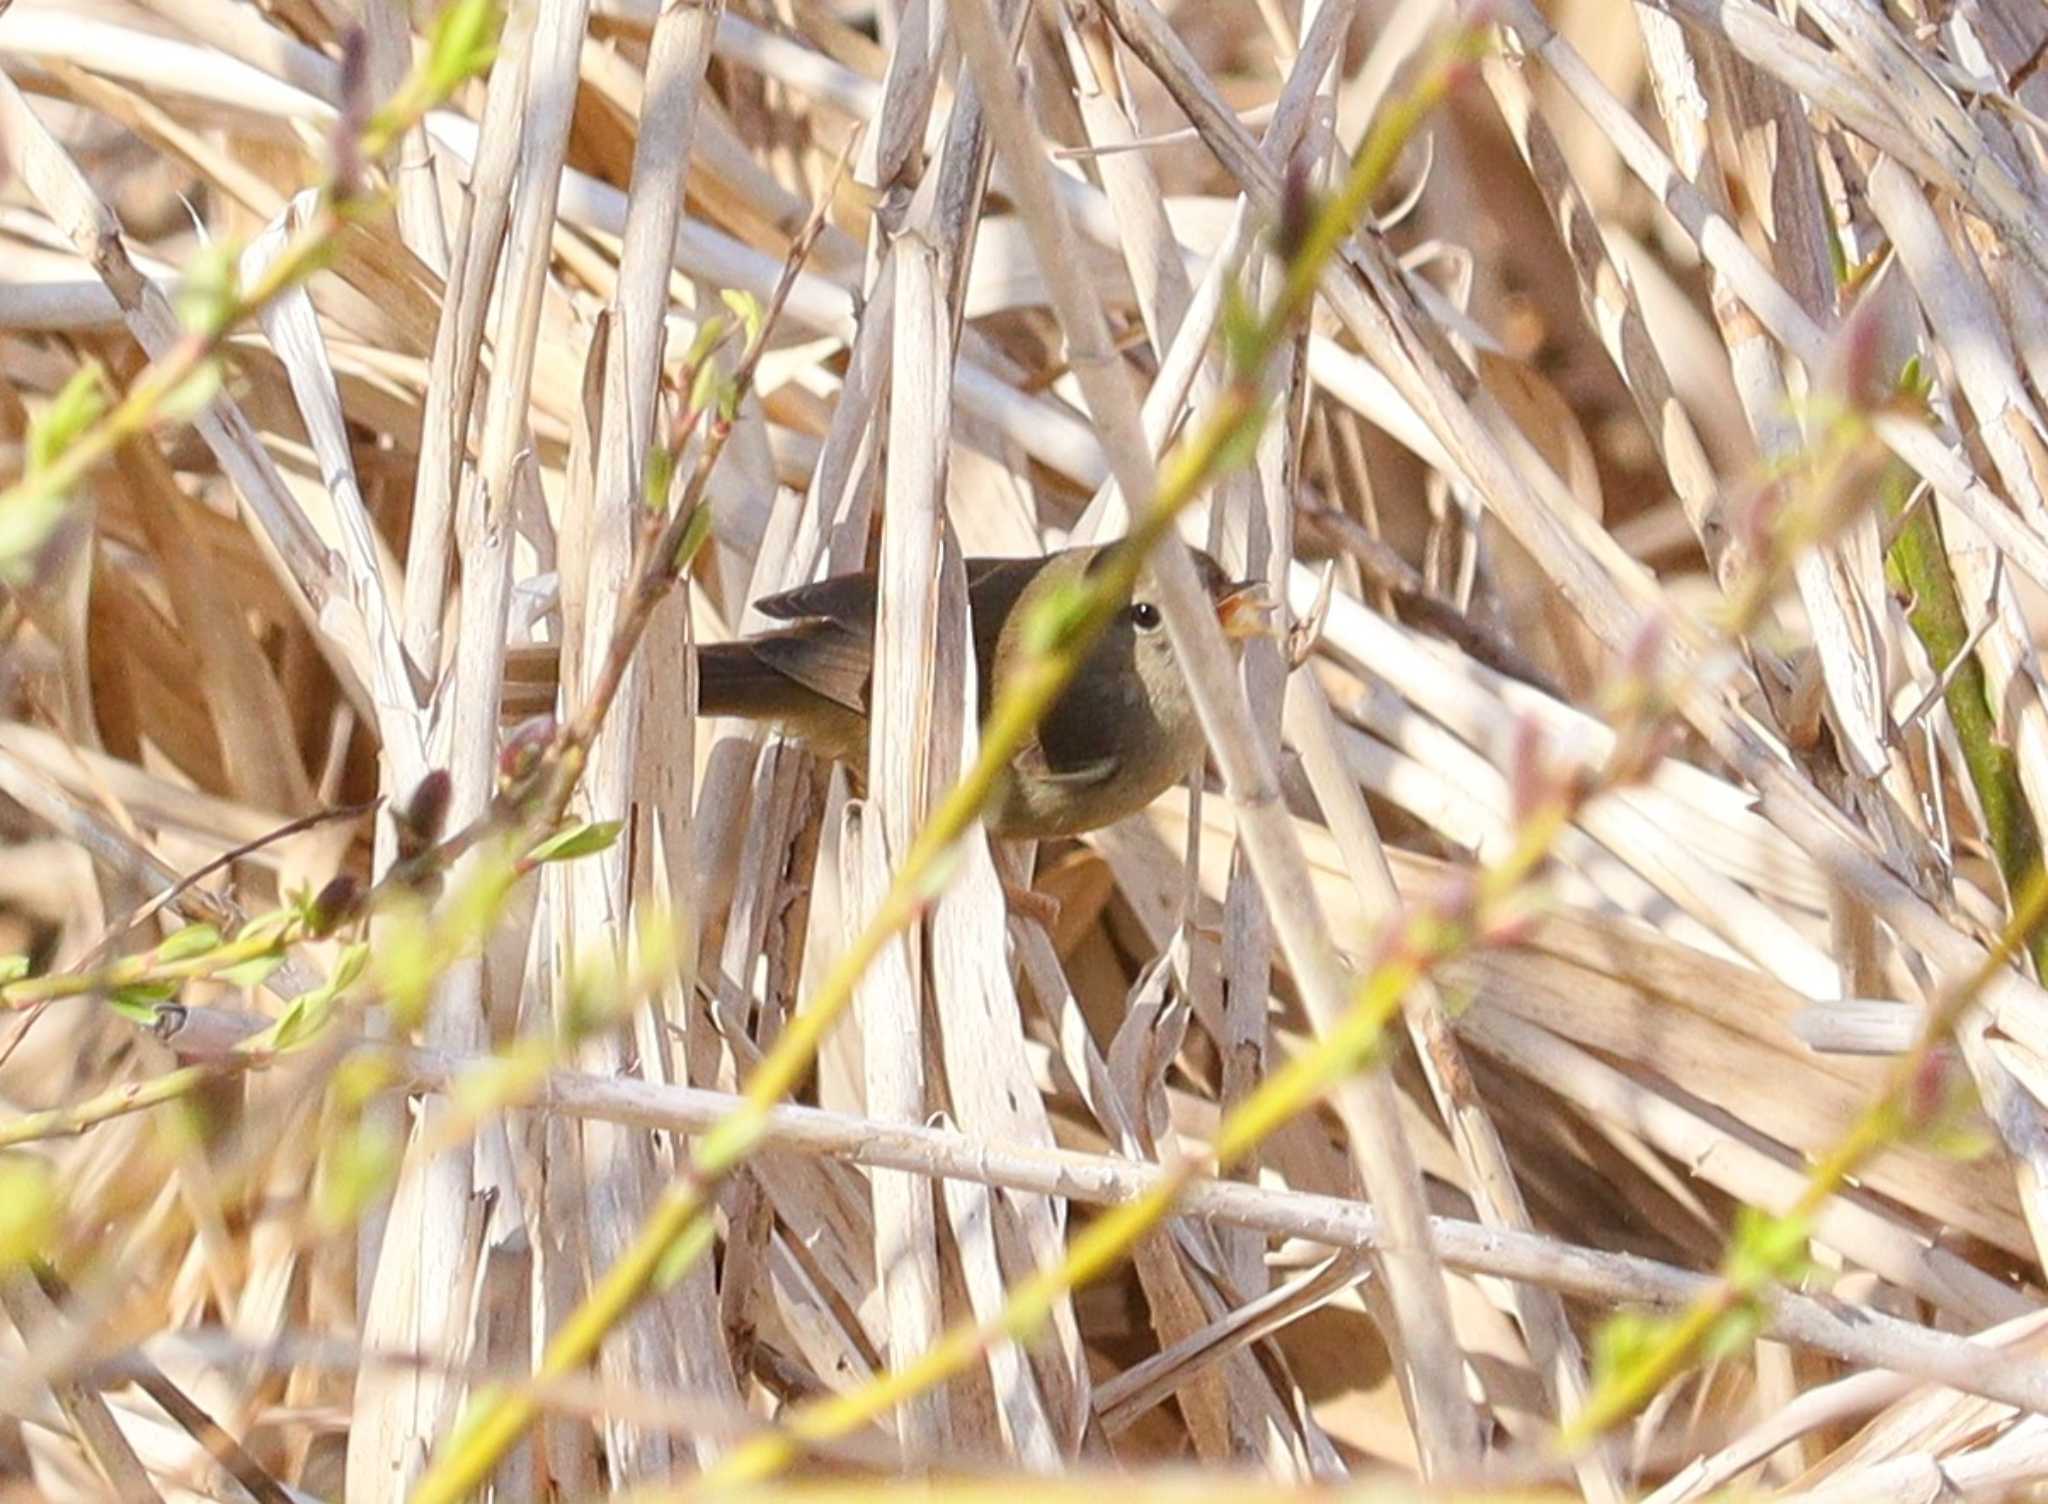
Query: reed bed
column 1582, row 1035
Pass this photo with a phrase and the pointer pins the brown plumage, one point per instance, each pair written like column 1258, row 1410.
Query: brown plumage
column 1122, row 732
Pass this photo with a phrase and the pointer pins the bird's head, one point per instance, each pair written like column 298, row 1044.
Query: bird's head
column 1137, row 644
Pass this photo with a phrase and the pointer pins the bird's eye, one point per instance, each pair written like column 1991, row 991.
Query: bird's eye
column 1145, row 616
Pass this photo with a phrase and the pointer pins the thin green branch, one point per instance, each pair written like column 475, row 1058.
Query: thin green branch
column 678, row 1229
column 1769, row 1252
column 1918, row 566
column 130, row 1097
column 180, row 958
column 461, row 46
column 1425, row 940
column 1483, row 912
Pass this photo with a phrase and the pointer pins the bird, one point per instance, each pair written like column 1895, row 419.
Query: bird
column 1122, row 731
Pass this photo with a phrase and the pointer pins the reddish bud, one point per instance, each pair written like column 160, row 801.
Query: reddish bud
column 420, row 820
column 1514, row 925
column 1457, row 899
column 1529, row 781
column 1757, row 517
column 1297, row 209
column 1855, row 361
column 355, row 113
column 1577, row 785
column 521, row 755
column 1632, row 757
column 335, row 905
column 1391, row 941
column 1645, row 656
column 1927, row 1093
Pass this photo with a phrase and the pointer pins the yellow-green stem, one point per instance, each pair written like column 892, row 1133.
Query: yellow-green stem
column 504, row 1415
column 135, row 1096
column 1413, row 950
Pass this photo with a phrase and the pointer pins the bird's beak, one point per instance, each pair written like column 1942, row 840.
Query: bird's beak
column 1248, row 608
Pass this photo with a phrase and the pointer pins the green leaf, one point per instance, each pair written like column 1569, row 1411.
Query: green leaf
column 706, row 388
column 578, row 840
column 271, row 924
column 360, row 1077
column 1768, row 1249
column 192, row 940
column 306, row 1015
column 302, row 1021
column 695, row 532
column 406, row 966
column 473, row 910
column 208, row 298
column 349, row 966
column 659, row 470
column 70, row 413
column 1734, row 1333
column 465, row 39
column 509, row 1080
column 1838, row 253
column 1962, row 1141
column 1914, row 381
column 657, row 949
column 192, row 396
column 28, row 1209
column 140, row 1003
column 748, row 307
column 252, row 973
column 1623, row 1341
column 710, row 335
column 31, row 514
column 1240, row 329
column 595, row 996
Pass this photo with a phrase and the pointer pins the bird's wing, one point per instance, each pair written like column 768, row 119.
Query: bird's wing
column 845, row 598
column 831, row 649
column 1032, row 763
column 825, row 658
column 850, row 598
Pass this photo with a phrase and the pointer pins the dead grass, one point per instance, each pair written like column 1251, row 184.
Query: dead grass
column 1542, row 406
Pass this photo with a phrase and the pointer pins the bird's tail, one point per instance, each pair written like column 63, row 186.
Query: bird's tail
column 732, row 680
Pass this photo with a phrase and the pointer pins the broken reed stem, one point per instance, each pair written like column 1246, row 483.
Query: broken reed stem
column 1430, row 937
column 459, row 49
column 666, row 557
column 678, row 1229
column 1855, row 1335
column 1746, row 1280
column 1911, row 1099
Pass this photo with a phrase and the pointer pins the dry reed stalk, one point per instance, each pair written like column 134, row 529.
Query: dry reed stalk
column 1435, row 1373
column 422, row 464
column 1861, row 1335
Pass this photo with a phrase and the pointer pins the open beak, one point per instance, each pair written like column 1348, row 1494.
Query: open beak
column 1248, row 608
